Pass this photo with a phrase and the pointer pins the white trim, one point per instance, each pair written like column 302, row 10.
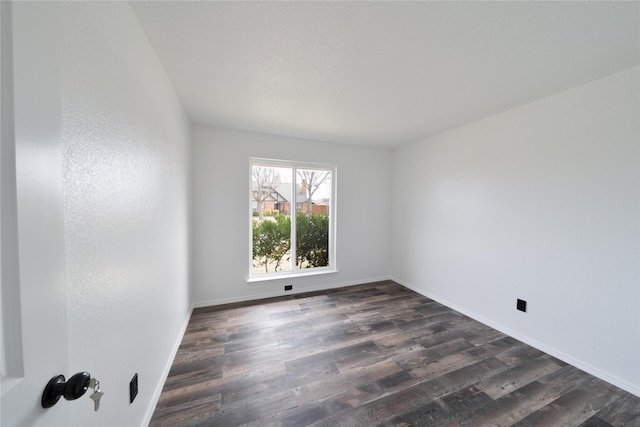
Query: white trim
column 293, row 209
column 619, row 382
column 299, row 290
column 8, row 383
column 291, row 274
column 158, row 391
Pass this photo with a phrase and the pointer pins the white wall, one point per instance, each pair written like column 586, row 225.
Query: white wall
column 123, row 171
column 220, row 185
column 539, row 203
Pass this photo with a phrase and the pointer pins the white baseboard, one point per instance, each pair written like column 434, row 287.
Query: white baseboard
column 156, row 394
column 299, row 290
column 618, row 382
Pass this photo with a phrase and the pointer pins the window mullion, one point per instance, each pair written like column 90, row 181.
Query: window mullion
column 294, row 214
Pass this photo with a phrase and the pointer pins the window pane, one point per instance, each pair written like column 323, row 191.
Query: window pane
column 313, row 196
column 291, row 217
column 271, row 199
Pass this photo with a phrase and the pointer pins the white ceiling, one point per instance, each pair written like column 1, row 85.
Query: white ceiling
column 380, row 73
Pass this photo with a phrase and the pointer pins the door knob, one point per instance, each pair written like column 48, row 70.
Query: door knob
column 71, row 389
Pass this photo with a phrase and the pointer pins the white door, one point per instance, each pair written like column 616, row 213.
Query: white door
column 34, row 338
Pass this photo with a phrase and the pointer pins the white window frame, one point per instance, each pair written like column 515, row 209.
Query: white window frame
column 332, row 267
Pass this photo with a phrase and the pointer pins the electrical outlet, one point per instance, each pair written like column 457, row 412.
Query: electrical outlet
column 288, row 287
column 521, row 305
column 133, row 388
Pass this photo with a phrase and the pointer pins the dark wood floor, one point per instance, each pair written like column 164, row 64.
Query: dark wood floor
column 376, row 354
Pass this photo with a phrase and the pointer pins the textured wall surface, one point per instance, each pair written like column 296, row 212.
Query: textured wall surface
column 221, row 212
column 539, row 203
column 125, row 147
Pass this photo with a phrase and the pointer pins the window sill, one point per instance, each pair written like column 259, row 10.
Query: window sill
column 290, row 275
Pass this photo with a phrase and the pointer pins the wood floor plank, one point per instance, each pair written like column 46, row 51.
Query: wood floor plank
column 622, row 412
column 376, row 354
column 570, row 409
column 518, row 376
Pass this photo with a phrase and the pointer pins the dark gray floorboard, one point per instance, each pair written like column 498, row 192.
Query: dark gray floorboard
column 372, row 355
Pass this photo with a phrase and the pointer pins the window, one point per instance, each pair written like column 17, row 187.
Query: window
column 292, row 218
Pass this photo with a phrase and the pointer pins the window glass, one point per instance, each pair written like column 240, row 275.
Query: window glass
column 291, row 217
